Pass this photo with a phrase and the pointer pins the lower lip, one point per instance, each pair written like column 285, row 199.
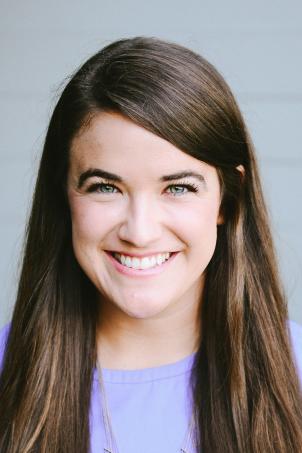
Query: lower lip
column 141, row 272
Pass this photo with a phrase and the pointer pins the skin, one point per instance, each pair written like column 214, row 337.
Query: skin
column 152, row 321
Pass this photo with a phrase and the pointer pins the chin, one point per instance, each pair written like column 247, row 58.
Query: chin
column 142, row 311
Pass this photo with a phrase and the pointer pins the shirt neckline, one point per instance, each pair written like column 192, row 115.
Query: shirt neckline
column 169, row 370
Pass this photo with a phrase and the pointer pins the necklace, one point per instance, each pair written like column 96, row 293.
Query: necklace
column 110, row 438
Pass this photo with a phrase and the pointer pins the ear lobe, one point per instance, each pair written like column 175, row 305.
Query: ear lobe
column 220, row 220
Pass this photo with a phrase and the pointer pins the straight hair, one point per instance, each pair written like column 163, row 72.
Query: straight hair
column 247, row 396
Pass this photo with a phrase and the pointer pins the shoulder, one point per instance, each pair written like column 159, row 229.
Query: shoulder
column 295, row 330
column 3, row 337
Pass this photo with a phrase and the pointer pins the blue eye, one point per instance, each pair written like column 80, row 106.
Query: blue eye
column 109, row 188
column 189, row 187
column 101, row 188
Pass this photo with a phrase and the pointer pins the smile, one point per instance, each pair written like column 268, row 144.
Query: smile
column 134, row 266
column 147, row 262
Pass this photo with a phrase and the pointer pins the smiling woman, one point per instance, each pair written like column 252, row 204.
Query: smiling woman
column 150, row 316
column 142, row 215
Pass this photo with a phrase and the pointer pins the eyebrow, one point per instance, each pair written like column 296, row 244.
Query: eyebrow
column 112, row 177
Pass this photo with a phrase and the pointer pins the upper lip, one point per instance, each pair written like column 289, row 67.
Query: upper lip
column 137, row 254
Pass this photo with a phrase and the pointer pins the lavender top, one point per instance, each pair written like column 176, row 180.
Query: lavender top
column 150, row 408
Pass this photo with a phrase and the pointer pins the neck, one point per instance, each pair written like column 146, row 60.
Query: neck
column 130, row 343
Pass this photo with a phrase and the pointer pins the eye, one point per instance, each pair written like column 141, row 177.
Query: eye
column 102, row 188
column 106, row 188
column 180, row 188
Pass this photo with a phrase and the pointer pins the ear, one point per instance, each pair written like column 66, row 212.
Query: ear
column 220, row 219
column 241, row 169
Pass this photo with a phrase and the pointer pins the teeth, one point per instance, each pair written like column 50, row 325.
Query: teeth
column 160, row 259
column 144, row 263
column 135, row 263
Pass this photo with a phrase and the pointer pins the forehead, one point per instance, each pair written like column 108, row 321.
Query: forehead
column 113, row 141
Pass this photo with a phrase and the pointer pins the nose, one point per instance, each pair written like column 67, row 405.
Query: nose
column 141, row 225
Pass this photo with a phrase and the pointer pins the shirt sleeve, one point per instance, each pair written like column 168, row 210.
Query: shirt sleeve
column 296, row 341
column 3, row 337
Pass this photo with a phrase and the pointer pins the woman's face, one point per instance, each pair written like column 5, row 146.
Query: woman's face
column 139, row 209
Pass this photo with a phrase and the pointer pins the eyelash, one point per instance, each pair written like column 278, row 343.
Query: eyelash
column 190, row 187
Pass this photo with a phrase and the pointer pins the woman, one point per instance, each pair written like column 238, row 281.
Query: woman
column 150, row 315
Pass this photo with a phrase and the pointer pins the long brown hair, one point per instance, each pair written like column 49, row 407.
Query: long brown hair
column 247, row 396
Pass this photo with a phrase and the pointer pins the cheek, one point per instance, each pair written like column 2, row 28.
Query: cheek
column 202, row 239
column 198, row 230
column 198, row 224
column 87, row 220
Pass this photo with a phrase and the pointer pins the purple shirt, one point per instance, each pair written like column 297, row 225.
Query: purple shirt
column 150, row 408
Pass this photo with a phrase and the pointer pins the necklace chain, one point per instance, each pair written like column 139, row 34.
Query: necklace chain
column 110, row 437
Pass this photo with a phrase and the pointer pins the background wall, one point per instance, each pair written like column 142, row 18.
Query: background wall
column 257, row 46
